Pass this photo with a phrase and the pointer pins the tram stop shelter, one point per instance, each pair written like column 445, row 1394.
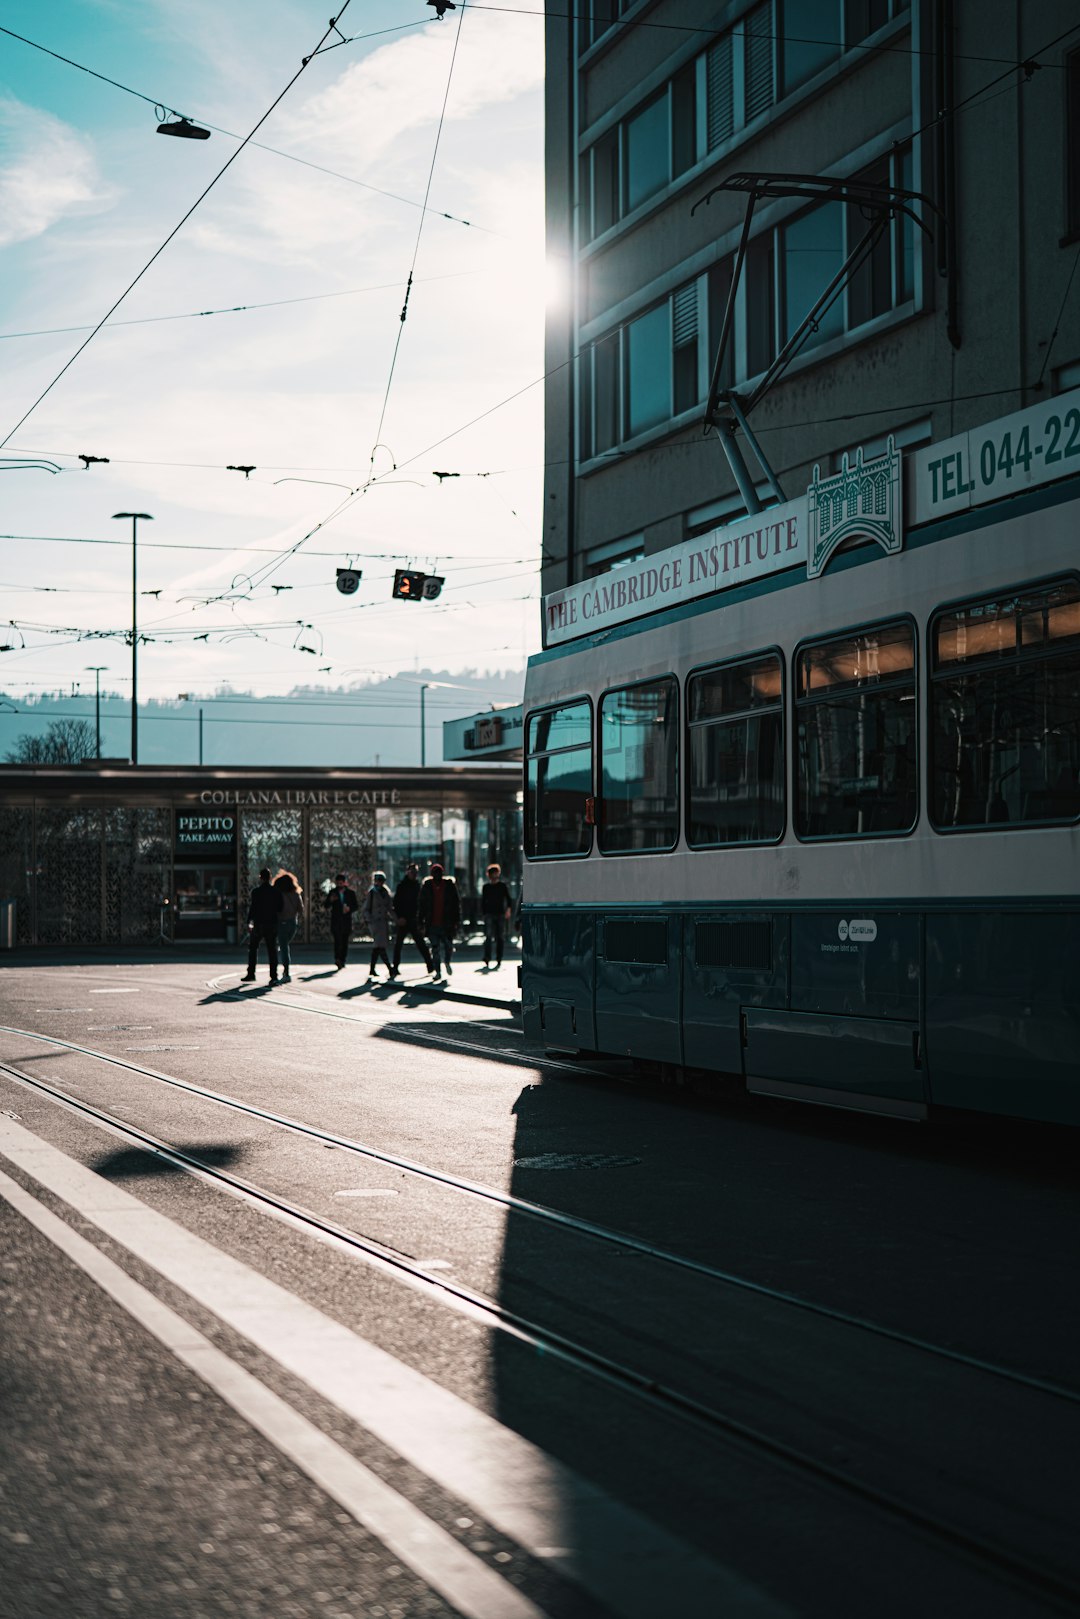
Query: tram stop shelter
column 104, row 854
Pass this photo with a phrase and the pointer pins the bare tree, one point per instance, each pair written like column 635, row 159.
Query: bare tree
column 66, row 742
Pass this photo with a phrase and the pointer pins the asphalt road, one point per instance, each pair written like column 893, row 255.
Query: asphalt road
column 333, row 1299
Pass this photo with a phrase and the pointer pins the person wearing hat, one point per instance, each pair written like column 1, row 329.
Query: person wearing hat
column 439, row 915
column 343, row 905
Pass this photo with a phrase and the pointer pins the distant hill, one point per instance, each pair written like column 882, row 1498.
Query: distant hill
column 373, row 723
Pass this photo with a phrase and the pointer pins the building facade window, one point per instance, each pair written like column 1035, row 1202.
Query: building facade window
column 597, row 18
column 652, row 368
column 1072, row 144
column 657, row 366
column 615, row 554
column 773, row 50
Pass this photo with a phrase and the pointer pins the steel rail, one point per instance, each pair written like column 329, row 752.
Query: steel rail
column 553, row 1344
column 544, row 1213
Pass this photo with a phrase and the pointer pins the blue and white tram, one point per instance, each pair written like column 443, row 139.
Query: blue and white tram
column 822, row 834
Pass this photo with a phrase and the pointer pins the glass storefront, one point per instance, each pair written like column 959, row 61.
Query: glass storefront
column 86, row 872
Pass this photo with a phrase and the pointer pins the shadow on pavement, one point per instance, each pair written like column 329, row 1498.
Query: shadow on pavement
column 130, row 1162
column 235, row 996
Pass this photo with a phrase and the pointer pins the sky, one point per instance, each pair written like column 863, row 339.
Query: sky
column 89, row 191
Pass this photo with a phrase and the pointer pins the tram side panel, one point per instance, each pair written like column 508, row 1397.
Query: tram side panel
column 559, row 956
column 853, row 1031
column 1003, row 1011
column 732, row 961
column 638, row 989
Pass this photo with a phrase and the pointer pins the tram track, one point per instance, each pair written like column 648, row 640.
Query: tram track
column 556, row 1218
column 1019, row 1570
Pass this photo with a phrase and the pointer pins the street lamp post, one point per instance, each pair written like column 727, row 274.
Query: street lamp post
column 423, row 729
column 96, row 670
column 134, row 628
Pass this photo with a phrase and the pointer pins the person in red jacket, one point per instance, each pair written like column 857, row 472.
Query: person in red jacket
column 439, row 915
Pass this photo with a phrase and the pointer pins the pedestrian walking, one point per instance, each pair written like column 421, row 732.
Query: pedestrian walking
column 263, row 910
column 343, row 905
column 406, row 900
column 496, row 909
column 377, row 913
column 439, row 915
column 289, row 918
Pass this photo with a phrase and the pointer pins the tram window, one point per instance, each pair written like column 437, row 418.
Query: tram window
column 1005, row 710
column 639, row 745
column 856, row 730
column 736, row 770
column 558, row 782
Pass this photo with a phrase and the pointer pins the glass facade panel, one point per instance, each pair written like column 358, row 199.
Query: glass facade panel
column 648, row 364
column 856, row 771
column 639, row 744
column 647, row 139
column 1005, row 710
column 340, row 840
column 810, row 39
column 813, row 253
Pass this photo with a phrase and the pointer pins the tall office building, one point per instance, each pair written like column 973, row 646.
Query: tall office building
column 651, row 103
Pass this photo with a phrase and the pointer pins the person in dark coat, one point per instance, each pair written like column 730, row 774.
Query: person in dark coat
column 496, row 909
column 263, row 910
column 343, row 905
column 439, row 915
column 406, row 900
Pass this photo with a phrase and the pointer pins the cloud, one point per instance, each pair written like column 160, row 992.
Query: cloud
column 400, row 87
column 47, row 172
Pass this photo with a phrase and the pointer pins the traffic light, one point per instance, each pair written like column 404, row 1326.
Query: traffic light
column 413, row 586
column 408, row 584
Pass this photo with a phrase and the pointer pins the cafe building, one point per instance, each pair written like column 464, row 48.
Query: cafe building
column 122, row 854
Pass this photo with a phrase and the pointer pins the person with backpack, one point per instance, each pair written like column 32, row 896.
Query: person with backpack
column 439, row 915
column 406, row 900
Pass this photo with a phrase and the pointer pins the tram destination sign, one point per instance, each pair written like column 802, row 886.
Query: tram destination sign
column 1022, row 451
column 735, row 554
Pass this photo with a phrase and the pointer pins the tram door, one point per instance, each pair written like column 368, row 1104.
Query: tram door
column 205, row 903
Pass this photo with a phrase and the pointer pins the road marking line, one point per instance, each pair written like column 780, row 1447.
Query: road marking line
column 133, row 990
column 366, row 1191
column 447, row 1567
column 626, row 1561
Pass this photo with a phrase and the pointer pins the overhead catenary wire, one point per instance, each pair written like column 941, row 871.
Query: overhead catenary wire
column 419, row 234
column 290, row 157
column 175, row 230
column 235, row 309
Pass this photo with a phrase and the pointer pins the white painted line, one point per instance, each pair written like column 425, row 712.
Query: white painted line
column 626, row 1561
column 134, row 990
column 466, row 1582
column 366, row 1191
